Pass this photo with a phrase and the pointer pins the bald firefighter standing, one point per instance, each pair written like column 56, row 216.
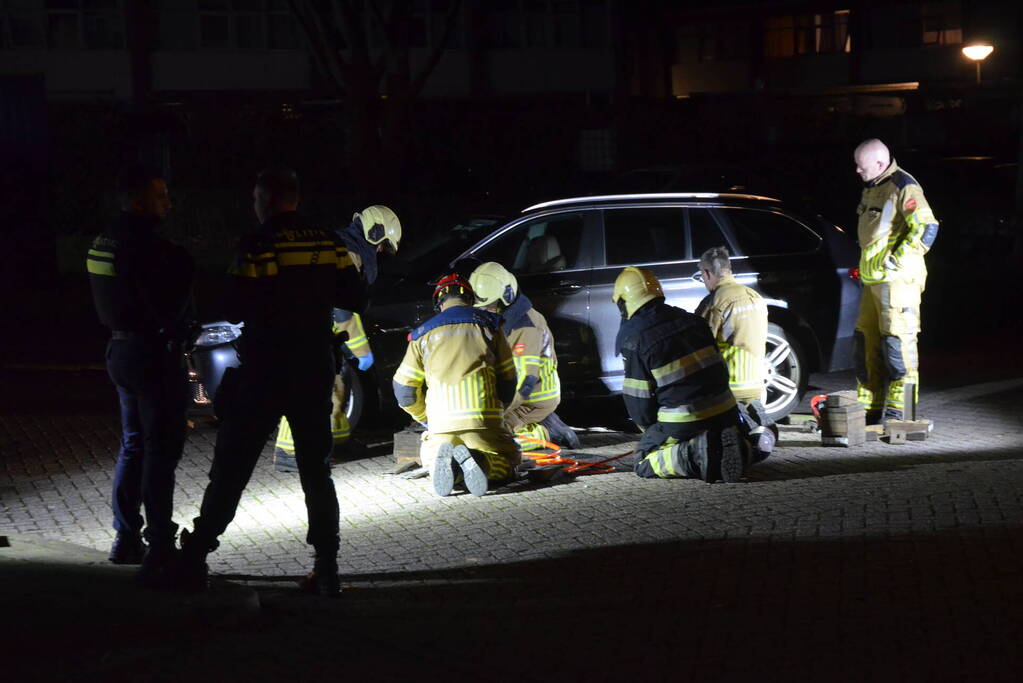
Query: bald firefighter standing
column 737, row 316
column 538, row 389
column 676, row 387
column 456, row 379
column 373, row 231
column 896, row 227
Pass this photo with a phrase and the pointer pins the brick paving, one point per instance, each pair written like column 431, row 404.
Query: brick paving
column 879, row 562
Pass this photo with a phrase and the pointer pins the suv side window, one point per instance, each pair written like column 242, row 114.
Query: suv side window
column 643, row 235
column 542, row 246
column 704, row 232
column 762, row 233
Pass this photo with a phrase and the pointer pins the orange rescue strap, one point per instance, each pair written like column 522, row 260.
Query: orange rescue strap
column 568, row 464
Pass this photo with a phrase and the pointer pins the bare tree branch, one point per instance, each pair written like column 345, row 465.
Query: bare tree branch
column 438, row 50
column 327, row 57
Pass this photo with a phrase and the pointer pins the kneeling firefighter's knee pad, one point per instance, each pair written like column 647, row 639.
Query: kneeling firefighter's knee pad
column 860, row 356
column 893, row 357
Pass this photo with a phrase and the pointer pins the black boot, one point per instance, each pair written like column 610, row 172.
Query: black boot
column 127, row 548
column 158, row 565
column 704, row 461
column 191, row 573
column 732, row 455
column 560, row 433
column 323, row 580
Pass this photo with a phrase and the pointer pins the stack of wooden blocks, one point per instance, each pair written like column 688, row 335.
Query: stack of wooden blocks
column 843, row 420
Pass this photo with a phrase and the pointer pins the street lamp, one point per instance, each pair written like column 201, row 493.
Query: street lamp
column 977, row 53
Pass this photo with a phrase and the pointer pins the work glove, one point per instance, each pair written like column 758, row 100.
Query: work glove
column 366, row 362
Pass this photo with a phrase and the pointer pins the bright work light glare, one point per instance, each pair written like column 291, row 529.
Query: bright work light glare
column 977, row 52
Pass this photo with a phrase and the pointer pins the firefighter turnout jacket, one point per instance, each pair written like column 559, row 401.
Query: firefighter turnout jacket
column 141, row 283
column 674, row 375
column 536, row 365
column 737, row 316
column 896, row 227
column 457, row 373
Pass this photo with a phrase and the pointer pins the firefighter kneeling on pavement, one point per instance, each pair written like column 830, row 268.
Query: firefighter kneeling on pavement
column 676, row 387
column 374, row 230
column 456, row 379
column 737, row 316
column 531, row 415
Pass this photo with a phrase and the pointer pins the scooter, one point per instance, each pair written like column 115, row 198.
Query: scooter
column 215, row 349
column 213, row 352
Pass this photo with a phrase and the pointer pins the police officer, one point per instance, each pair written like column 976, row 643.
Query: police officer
column 286, row 280
column 142, row 290
column 373, row 231
column 676, row 386
column 456, row 379
column 538, row 393
column 896, row 227
column 737, row 316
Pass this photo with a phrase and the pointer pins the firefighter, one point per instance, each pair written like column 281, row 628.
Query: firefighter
column 737, row 316
column 896, row 227
column 676, row 386
column 456, row 379
column 142, row 289
column 538, row 392
column 373, row 231
column 286, row 281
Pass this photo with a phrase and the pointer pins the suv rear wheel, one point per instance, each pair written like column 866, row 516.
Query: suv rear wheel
column 786, row 372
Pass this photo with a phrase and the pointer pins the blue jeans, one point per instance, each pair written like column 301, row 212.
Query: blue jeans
column 152, row 386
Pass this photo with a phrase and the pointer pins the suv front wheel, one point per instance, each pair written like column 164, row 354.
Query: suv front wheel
column 786, row 373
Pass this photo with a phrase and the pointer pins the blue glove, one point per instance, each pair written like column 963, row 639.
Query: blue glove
column 366, row 362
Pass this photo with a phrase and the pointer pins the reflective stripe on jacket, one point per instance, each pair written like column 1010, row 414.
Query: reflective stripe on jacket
column 895, row 227
column 457, row 372
column 673, row 371
column 737, row 316
column 532, row 347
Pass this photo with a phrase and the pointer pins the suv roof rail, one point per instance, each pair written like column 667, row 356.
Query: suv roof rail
column 642, row 196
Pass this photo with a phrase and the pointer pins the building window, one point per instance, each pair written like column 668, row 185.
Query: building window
column 61, row 24
column 21, row 25
column 942, row 23
column 723, row 42
column 427, row 21
column 804, row 34
column 228, row 25
column 548, row 23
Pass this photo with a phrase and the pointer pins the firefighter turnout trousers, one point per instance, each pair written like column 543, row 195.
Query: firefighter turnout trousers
column 340, row 430
column 495, row 450
column 885, row 343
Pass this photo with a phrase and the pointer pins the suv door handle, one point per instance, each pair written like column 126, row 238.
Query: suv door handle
column 566, row 287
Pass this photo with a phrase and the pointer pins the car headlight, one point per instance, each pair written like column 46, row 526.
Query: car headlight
column 212, row 335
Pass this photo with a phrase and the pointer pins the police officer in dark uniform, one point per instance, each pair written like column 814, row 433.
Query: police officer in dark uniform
column 142, row 289
column 286, row 280
column 676, row 387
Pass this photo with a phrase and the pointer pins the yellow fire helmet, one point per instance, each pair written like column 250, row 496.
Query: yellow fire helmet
column 492, row 283
column 633, row 288
column 380, row 224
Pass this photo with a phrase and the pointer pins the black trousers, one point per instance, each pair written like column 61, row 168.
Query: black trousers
column 292, row 381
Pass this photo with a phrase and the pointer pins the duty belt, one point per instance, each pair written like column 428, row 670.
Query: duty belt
column 131, row 334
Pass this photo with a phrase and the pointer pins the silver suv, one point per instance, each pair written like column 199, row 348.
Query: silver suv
column 566, row 255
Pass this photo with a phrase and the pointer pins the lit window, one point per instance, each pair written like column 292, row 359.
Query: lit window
column 942, row 23
column 804, row 34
